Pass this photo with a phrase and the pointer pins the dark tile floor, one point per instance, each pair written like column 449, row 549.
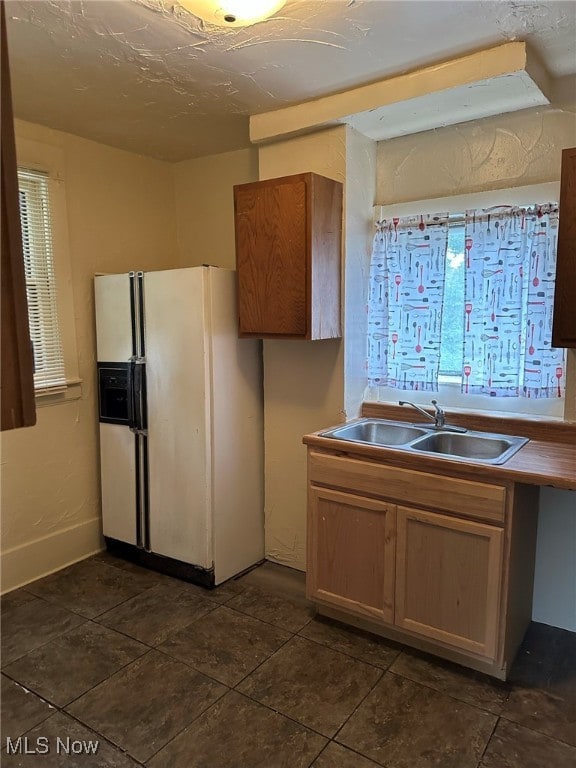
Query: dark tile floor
column 168, row 675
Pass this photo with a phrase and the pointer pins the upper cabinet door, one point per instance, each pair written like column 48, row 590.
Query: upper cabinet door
column 564, row 326
column 288, row 242
column 271, row 253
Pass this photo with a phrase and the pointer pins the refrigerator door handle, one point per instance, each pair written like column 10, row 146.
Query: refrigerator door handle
column 132, row 423
column 139, row 390
column 142, row 493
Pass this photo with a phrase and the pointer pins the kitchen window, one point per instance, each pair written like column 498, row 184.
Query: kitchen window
column 44, row 222
column 470, row 359
column 34, row 199
column 452, row 332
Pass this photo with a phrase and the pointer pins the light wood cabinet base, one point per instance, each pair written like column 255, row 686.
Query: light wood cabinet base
column 443, row 564
column 499, row 671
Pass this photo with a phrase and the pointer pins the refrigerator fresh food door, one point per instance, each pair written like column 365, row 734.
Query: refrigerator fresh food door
column 237, row 434
column 177, row 371
column 118, row 448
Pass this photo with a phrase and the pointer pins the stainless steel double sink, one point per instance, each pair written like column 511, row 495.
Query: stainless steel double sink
column 482, row 447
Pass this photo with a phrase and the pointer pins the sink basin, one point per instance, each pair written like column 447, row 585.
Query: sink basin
column 487, row 448
column 376, row 432
column 482, row 447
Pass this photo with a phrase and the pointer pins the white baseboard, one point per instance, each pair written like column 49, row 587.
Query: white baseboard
column 35, row 559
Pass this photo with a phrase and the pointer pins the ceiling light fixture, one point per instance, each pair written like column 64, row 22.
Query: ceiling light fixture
column 232, row 13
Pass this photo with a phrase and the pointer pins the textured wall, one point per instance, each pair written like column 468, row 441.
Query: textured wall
column 499, row 152
column 120, row 217
column 205, row 206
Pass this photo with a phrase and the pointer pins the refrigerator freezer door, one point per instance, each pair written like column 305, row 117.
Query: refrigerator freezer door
column 178, row 373
column 113, row 318
column 118, row 471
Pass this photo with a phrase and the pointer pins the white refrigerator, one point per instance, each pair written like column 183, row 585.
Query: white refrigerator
column 181, row 424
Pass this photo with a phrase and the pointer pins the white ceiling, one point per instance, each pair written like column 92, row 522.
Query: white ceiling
column 147, row 76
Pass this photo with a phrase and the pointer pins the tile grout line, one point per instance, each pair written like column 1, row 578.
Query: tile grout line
column 198, row 716
column 108, row 677
column 232, row 687
column 324, row 748
column 282, row 714
column 61, row 711
column 355, row 751
column 42, row 645
column 488, row 740
column 62, row 707
column 535, row 730
column 357, row 707
column 292, row 636
column 346, row 653
column 155, row 647
column 290, row 717
column 272, row 624
column 68, row 631
column 91, row 727
column 445, row 693
column 76, row 612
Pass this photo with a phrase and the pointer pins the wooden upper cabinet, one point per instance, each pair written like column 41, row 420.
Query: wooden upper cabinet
column 288, row 244
column 564, row 324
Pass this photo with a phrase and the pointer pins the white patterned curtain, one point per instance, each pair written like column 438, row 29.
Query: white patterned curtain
column 405, row 302
column 510, row 270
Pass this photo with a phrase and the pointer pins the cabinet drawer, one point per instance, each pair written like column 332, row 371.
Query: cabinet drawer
column 465, row 498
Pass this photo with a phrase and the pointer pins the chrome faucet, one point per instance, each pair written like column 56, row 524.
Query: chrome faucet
column 438, row 417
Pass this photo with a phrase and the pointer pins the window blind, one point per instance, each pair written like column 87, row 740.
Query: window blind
column 49, row 374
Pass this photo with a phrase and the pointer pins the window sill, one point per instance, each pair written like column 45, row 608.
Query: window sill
column 73, row 392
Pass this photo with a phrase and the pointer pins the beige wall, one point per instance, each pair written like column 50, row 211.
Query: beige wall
column 120, row 217
column 205, row 206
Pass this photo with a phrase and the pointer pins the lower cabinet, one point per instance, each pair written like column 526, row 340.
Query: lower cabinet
column 352, row 543
column 455, row 579
column 448, row 578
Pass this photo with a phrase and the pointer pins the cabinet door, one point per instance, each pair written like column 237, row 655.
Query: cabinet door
column 351, row 553
column 18, row 404
column 448, row 574
column 271, row 257
column 564, row 325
